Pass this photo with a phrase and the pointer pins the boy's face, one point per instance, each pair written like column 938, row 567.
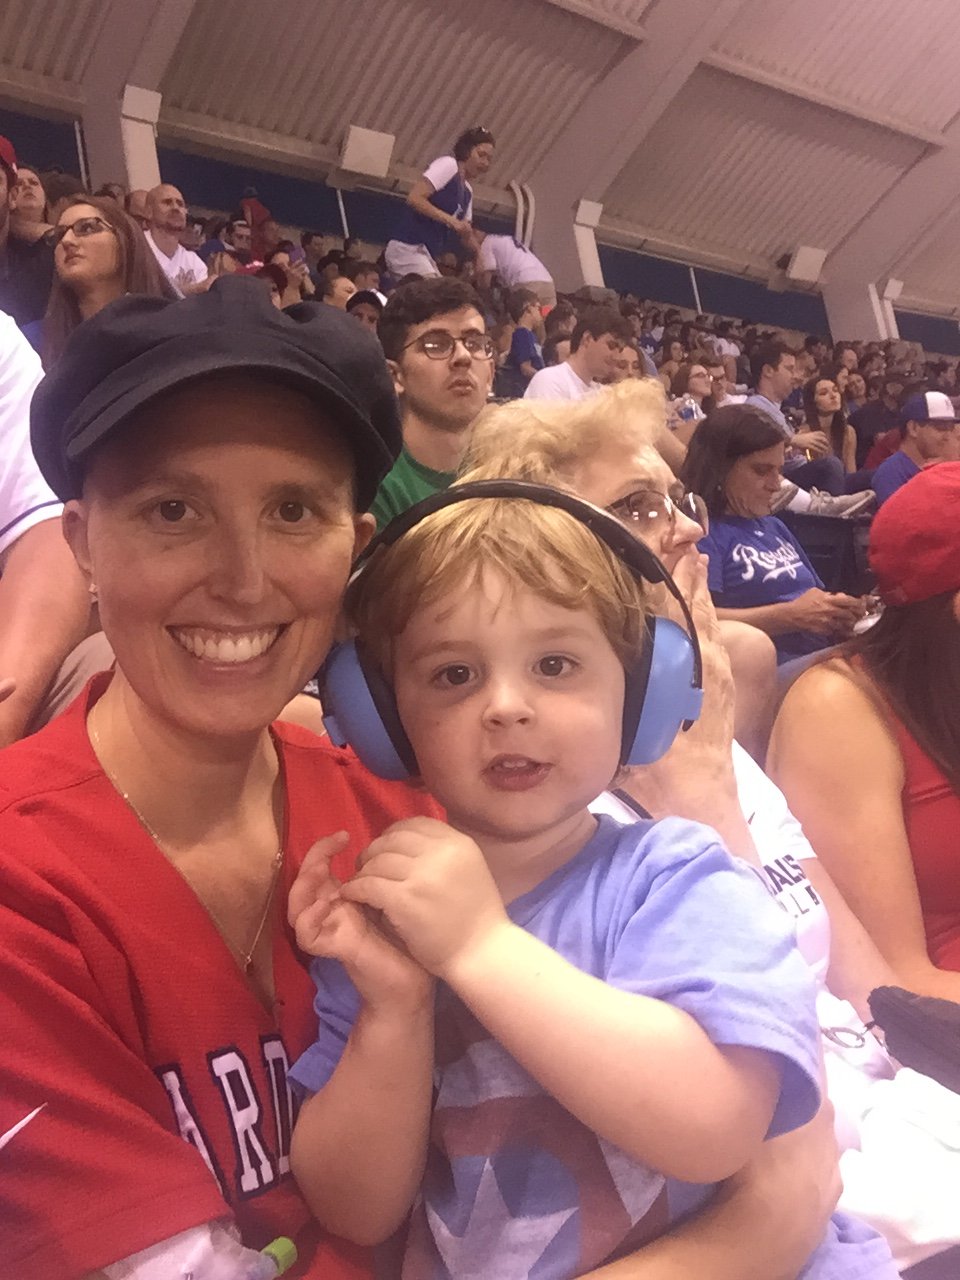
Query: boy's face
column 513, row 707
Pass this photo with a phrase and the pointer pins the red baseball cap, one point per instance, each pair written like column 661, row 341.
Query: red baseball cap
column 915, row 537
column 8, row 157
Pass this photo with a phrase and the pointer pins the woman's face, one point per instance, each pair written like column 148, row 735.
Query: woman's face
column 676, row 351
column 28, row 198
column 219, row 533
column 88, row 259
column 754, row 481
column 614, row 473
column 699, row 382
column 479, row 160
column 826, row 396
column 856, row 387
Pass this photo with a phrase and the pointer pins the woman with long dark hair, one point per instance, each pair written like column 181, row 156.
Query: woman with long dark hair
column 439, row 209
column 100, row 255
column 758, row 573
column 823, row 410
column 867, row 745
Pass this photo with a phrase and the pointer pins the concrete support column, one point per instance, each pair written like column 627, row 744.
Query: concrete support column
column 120, row 138
column 122, row 85
column 856, row 310
column 609, row 126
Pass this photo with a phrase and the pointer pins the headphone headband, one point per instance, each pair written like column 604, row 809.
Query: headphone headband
column 636, row 555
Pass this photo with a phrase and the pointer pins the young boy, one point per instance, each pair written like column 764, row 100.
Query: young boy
column 526, row 352
column 615, row 1005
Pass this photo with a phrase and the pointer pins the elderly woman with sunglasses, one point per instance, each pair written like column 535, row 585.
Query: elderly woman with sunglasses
column 100, row 255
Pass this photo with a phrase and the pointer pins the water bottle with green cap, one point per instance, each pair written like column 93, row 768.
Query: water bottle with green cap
column 275, row 1260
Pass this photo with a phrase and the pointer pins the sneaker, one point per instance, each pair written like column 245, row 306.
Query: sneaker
column 785, row 495
column 845, row 506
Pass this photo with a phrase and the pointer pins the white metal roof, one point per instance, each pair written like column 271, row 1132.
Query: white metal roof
column 795, row 124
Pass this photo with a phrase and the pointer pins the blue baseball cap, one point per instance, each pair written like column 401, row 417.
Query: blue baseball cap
column 928, row 406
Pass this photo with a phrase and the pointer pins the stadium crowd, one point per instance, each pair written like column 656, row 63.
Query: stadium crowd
column 609, row 923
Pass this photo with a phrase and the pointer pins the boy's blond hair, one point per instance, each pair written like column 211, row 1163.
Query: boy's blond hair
column 550, row 441
column 539, row 548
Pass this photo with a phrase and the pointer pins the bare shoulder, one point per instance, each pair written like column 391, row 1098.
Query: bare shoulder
column 825, row 691
column 830, row 714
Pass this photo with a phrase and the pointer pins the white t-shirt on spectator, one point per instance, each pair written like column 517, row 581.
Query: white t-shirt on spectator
column 443, row 170
column 25, row 497
column 558, row 382
column 185, row 267
column 724, row 347
column 512, row 262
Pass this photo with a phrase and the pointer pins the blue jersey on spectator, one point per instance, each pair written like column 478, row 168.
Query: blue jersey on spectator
column 892, row 474
column 755, row 562
column 453, row 194
column 515, row 1184
column 524, row 349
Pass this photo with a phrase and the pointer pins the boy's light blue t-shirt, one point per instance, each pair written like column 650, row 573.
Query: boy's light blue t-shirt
column 515, row 1185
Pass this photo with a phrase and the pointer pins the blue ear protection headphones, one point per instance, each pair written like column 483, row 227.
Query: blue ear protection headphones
column 664, row 688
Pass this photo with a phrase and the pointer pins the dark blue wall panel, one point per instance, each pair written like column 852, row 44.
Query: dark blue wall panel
column 934, row 333
column 647, row 277
column 302, row 202
column 48, row 144
column 750, row 299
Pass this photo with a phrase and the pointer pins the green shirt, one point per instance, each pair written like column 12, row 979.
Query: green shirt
column 407, row 482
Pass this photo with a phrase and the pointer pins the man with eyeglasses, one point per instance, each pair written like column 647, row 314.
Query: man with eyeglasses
column 26, row 268
column 441, row 357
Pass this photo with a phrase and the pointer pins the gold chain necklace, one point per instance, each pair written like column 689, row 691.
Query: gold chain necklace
column 245, row 957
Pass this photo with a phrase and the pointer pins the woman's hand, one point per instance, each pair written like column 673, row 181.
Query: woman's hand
column 825, row 613
column 326, row 925
column 434, row 888
column 814, row 442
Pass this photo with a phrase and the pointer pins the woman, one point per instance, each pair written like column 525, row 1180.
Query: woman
column 823, row 411
column 689, row 387
column 28, row 206
column 866, row 746
column 215, row 455
column 856, row 396
column 672, row 355
column 298, row 286
column 758, row 572
column 100, row 255
column 439, row 208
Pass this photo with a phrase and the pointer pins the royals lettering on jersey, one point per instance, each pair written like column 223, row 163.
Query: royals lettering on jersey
column 778, row 561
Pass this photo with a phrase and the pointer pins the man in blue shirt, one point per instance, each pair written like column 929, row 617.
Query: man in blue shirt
column 929, row 434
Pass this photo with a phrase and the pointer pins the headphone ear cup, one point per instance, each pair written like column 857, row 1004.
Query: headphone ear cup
column 663, row 686
column 360, row 711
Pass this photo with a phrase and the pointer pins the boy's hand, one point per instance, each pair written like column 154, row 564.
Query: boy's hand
column 434, row 888
column 325, row 925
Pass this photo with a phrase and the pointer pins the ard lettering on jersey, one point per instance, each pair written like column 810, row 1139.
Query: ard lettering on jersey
column 257, row 1167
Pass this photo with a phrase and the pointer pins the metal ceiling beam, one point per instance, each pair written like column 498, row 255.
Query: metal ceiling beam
column 615, row 118
column 136, row 43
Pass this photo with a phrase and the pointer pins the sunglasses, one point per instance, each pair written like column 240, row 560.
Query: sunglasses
column 651, row 509
column 81, row 228
column 440, row 345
